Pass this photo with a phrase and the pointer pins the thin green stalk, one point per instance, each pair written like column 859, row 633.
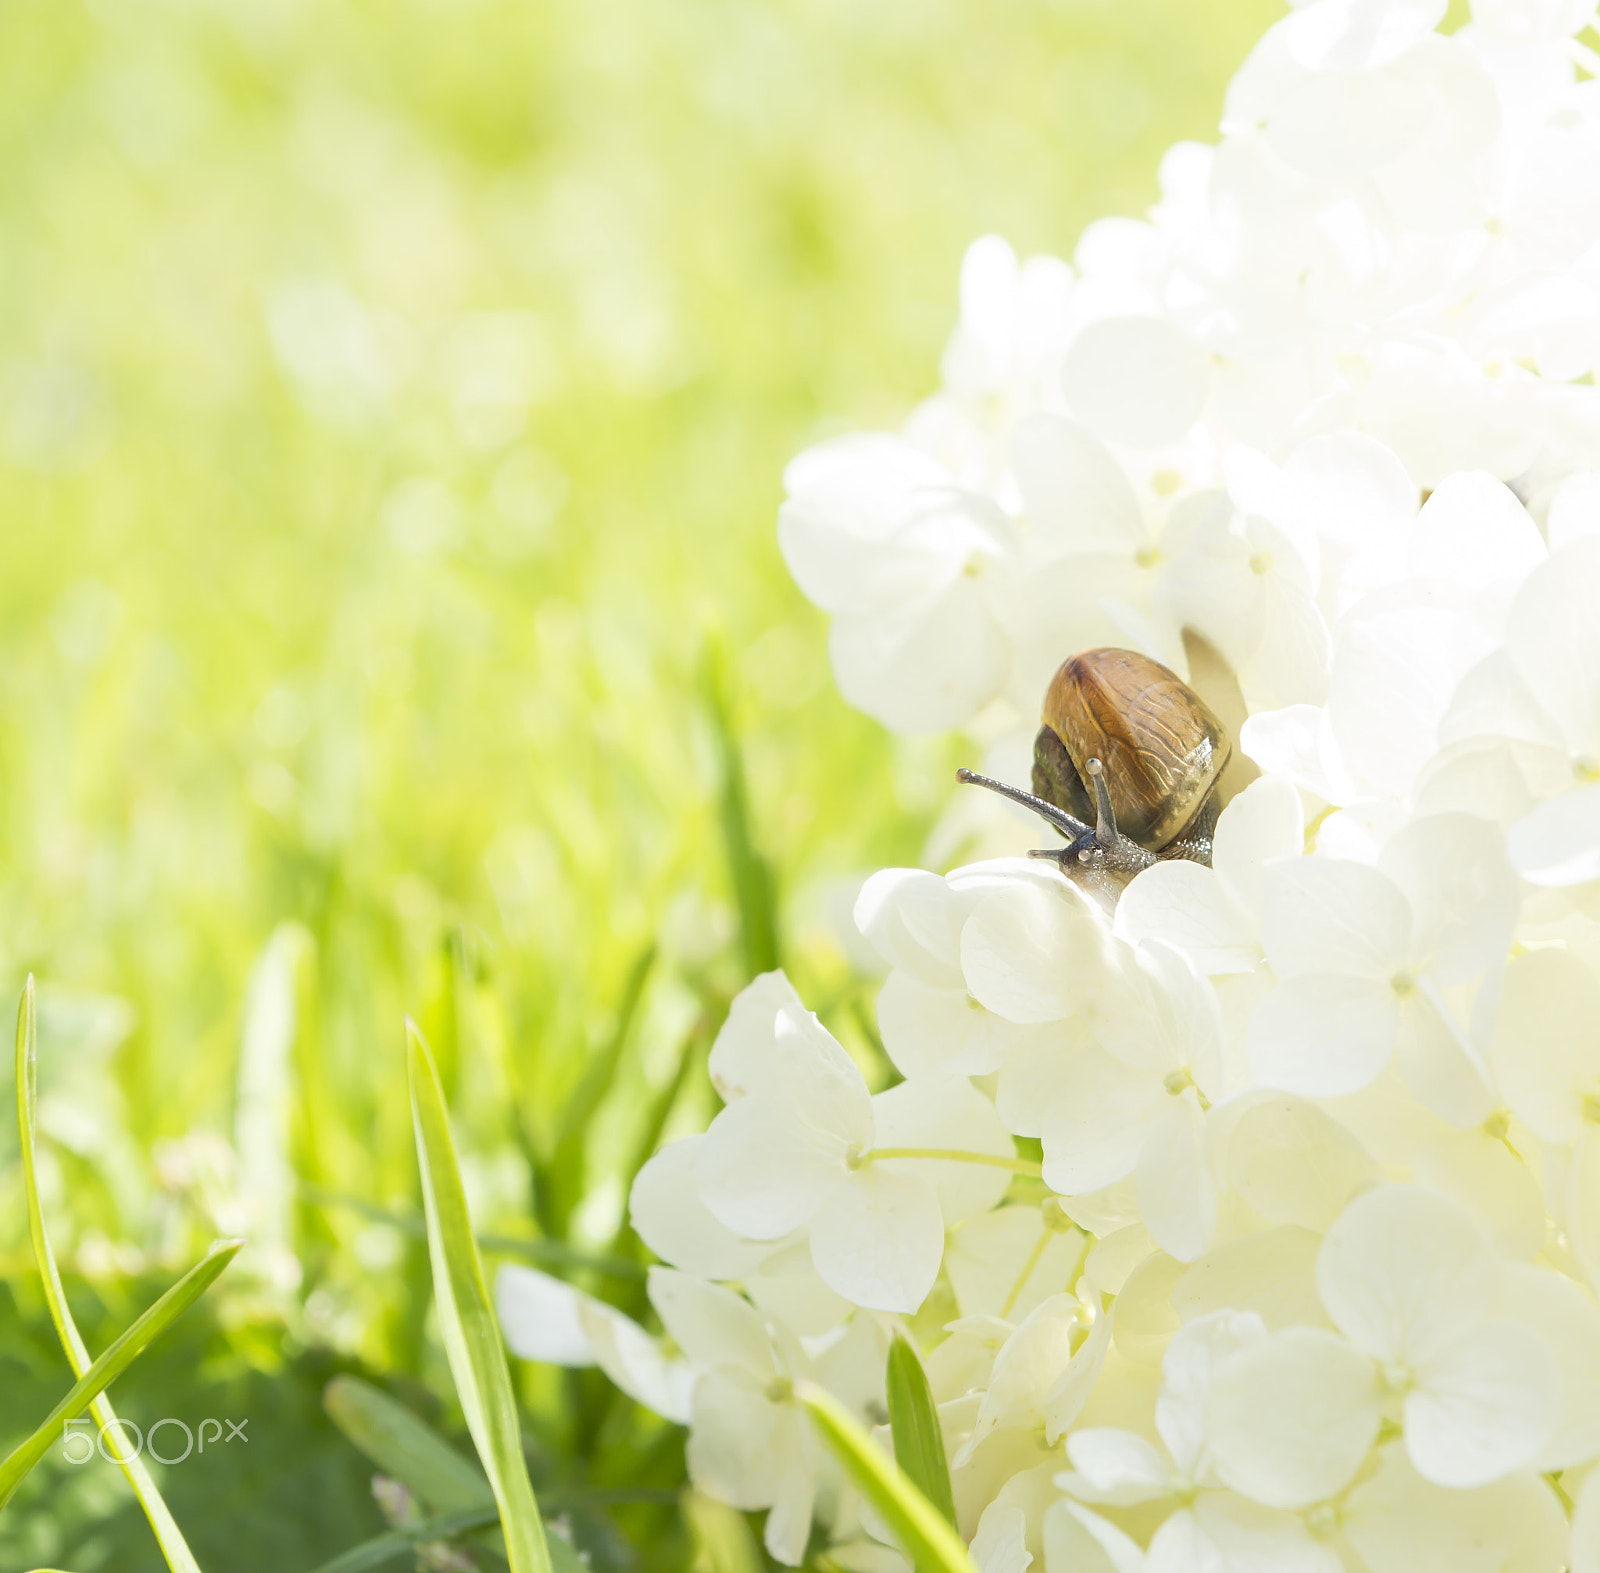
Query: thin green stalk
column 955, row 1155
column 563, row 1174
column 119, row 1355
column 466, row 1318
column 754, row 888
column 925, row 1535
column 168, row 1536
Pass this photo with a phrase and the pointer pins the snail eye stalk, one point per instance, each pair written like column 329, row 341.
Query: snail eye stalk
column 1105, row 830
column 1058, row 819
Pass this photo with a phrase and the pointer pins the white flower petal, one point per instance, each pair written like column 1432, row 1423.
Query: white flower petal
column 1584, row 1547
column 1358, row 35
column 1463, row 895
column 879, row 1239
column 538, row 1317
column 1272, row 1274
column 1028, row 1365
column 1399, row 1523
column 819, row 1082
column 1078, row 1541
column 989, row 278
column 1029, row 1089
column 1327, row 915
column 1181, row 1546
column 1545, row 1052
column 1480, row 1173
column 1559, row 842
column 928, row 669
column 1486, row 1403
column 913, row 920
column 637, row 1363
column 764, row 1172
column 743, row 1058
column 1263, row 822
column 1075, row 493
column 1297, row 741
column 946, row 1112
column 1136, row 381
column 1032, row 953
column 1094, row 1133
column 1554, row 639
column 1064, row 1401
column 1294, row 1164
column 786, row 1289
column 1291, row 1419
column 788, row 1526
column 1255, row 1539
column 1397, row 658
column 1001, row 1543
column 1118, row 1467
column 712, row 1326
column 1583, row 1201
column 1323, row 1037
column 742, row 1446
column 1474, row 531
column 1186, row 905
column 1567, row 1322
column 1338, row 124
column 1400, row 1270
column 1187, row 1370
column 1174, row 1182
column 929, row 1031
column 666, row 1212
column 1438, row 1063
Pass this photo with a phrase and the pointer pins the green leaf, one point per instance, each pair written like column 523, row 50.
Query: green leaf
column 471, row 1334
column 722, row 1536
column 394, row 1543
column 405, row 1446
column 168, row 1536
column 914, row 1425
column 925, row 1535
column 122, row 1352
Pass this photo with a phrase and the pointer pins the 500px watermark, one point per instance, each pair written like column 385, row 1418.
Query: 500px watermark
column 80, row 1440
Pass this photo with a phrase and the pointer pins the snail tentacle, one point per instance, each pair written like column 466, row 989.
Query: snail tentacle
column 1105, row 830
column 1058, row 819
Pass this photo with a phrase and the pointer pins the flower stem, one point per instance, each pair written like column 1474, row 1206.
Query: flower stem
column 1027, row 1270
column 955, row 1155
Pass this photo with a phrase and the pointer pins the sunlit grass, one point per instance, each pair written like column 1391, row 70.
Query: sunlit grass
column 393, row 404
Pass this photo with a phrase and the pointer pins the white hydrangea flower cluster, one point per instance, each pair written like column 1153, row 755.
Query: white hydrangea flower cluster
column 1254, row 1224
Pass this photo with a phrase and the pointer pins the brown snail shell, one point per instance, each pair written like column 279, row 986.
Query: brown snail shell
column 1161, row 747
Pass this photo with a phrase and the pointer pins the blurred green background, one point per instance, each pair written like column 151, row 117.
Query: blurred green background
column 393, row 402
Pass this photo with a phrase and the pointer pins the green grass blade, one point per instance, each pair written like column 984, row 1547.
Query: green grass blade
column 405, row 1446
column 168, row 1536
column 119, row 1355
column 754, row 888
column 565, row 1172
column 925, row 1535
column 466, row 1318
column 914, row 1425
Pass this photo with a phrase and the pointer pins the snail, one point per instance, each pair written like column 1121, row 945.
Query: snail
column 1126, row 767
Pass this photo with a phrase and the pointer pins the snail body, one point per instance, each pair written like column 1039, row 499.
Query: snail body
column 1125, row 767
